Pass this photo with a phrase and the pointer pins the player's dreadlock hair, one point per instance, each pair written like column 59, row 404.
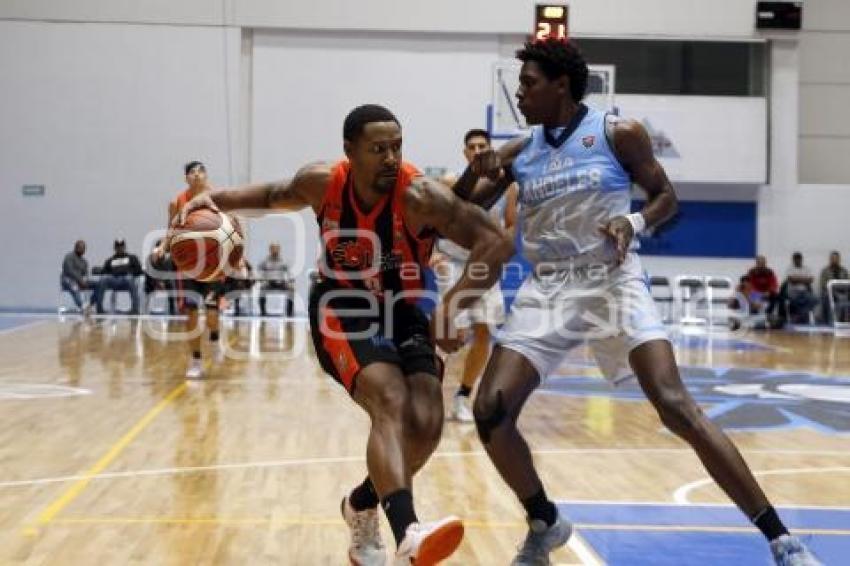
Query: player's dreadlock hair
column 362, row 115
column 558, row 57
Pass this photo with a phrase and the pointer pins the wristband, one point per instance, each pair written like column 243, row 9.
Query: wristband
column 637, row 221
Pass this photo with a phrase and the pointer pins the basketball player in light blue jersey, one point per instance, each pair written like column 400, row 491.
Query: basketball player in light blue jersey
column 575, row 170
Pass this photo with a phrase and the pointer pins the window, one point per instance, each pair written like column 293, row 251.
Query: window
column 706, row 68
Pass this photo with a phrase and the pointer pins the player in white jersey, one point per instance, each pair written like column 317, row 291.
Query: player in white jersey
column 448, row 262
column 574, row 172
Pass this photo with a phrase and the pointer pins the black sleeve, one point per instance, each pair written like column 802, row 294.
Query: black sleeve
column 464, row 186
column 501, row 186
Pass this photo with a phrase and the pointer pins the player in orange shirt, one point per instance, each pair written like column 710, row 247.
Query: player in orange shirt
column 194, row 293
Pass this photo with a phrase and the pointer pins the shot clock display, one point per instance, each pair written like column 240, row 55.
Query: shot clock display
column 550, row 20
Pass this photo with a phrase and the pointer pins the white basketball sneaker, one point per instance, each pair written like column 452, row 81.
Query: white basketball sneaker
column 196, row 369
column 460, row 409
column 366, row 547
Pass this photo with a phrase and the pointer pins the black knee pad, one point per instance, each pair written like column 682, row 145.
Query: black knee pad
column 486, row 423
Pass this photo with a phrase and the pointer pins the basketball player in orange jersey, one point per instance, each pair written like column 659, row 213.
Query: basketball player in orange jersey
column 378, row 218
column 195, row 292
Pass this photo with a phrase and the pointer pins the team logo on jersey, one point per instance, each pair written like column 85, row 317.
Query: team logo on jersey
column 588, row 141
column 353, row 254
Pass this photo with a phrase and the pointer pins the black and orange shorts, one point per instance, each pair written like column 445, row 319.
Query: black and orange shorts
column 348, row 336
column 193, row 294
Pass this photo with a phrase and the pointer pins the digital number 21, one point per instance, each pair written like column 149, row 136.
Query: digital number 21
column 544, row 30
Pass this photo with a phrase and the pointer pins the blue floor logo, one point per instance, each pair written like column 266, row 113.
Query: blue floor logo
column 742, row 398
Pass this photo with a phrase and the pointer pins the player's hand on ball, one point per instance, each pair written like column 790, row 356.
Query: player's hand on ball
column 202, row 200
column 619, row 230
column 488, row 164
column 443, row 329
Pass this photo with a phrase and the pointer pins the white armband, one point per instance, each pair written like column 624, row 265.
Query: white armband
column 637, row 221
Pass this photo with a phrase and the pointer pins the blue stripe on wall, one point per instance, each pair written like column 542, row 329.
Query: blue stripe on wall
column 705, row 229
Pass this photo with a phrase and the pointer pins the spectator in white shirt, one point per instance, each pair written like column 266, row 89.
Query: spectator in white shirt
column 274, row 274
column 798, row 289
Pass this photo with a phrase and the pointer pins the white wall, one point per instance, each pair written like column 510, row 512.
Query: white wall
column 305, row 84
column 715, row 18
column 105, row 116
column 703, row 18
column 811, row 219
column 792, row 217
column 824, row 91
column 718, row 139
column 186, row 12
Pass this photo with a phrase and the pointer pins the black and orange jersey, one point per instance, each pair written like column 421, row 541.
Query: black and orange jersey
column 181, row 199
column 374, row 251
column 173, row 209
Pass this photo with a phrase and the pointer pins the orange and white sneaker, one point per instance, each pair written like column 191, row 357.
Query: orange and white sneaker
column 427, row 544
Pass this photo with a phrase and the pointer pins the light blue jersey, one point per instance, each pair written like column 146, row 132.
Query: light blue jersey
column 567, row 191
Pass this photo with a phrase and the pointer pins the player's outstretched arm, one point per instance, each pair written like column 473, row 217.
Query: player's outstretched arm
column 305, row 189
column 489, row 174
column 428, row 203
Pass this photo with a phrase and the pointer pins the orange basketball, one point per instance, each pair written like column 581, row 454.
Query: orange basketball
column 207, row 246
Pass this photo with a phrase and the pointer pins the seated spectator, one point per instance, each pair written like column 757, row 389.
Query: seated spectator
column 274, row 275
column 832, row 271
column 797, row 292
column 119, row 274
column 237, row 282
column 75, row 277
column 762, row 288
column 159, row 270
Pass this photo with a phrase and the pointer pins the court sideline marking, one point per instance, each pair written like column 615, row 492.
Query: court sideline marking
column 16, row 327
column 296, row 462
column 285, row 522
column 56, row 507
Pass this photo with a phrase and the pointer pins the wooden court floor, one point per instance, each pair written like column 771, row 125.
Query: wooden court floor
column 107, row 456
